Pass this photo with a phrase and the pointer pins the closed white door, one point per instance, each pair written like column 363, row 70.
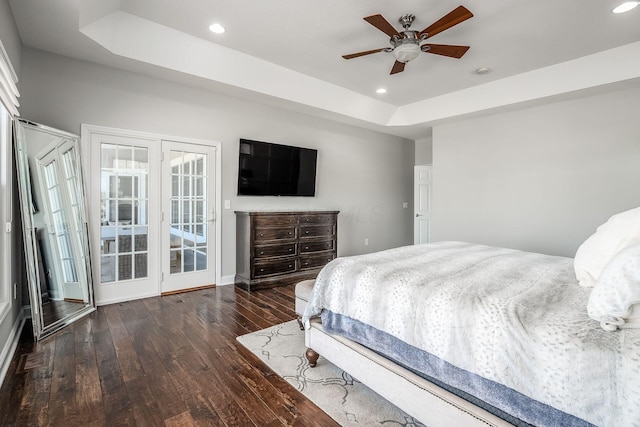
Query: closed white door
column 422, row 204
column 125, row 216
column 188, row 212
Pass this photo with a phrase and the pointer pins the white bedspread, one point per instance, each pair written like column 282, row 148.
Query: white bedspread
column 517, row 318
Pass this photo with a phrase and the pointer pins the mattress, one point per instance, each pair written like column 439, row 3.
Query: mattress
column 514, row 321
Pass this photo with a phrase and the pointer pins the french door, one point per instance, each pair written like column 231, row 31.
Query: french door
column 188, row 257
column 152, row 212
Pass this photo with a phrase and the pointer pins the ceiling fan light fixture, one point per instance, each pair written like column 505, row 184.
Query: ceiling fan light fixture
column 406, row 52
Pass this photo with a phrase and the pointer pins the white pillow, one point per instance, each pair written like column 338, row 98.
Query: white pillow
column 620, row 231
column 617, row 290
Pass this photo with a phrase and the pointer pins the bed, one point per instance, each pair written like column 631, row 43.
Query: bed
column 456, row 333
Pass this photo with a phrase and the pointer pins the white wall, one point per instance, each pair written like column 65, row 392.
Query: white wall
column 424, row 151
column 540, row 179
column 364, row 174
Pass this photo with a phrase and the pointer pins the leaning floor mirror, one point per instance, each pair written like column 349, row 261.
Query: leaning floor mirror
column 54, row 222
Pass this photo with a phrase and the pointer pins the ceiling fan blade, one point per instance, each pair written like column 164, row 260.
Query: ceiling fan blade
column 456, row 16
column 398, row 67
column 366, row 52
column 382, row 24
column 447, row 50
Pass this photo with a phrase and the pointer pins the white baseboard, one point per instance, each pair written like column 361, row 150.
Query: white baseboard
column 227, row 280
column 10, row 346
column 125, row 299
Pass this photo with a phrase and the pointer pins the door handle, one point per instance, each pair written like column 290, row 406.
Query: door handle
column 417, row 215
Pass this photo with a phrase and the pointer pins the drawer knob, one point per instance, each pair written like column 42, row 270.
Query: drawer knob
column 261, row 234
column 306, row 248
column 289, row 232
column 290, row 266
column 290, row 249
column 306, row 263
column 306, row 232
column 261, row 270
column 261, row 252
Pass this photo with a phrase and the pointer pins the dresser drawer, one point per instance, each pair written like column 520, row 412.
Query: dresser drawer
column 283, row 233
column 275, row 220
column 274, row 267
column 325, row 245
column 317, row 219
column 274, row 250
column 315, row 261
column 317, row 231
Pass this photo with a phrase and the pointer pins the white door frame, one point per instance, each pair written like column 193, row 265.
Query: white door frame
column 94, row 195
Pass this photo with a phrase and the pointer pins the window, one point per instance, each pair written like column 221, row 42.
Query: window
column 5, row 209
column 188, row 238
column 124, row 217
column 8, row 107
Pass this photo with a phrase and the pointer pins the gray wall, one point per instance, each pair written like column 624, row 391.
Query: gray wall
column 540, row 179
column 11, row 264
column 9, row 35
column 424, row 151
column 364, row 174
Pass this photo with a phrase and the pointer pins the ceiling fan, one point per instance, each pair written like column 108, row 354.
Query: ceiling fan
column 405, row 45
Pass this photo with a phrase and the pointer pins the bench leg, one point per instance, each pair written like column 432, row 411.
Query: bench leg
column 312, row 357
column 299, row 319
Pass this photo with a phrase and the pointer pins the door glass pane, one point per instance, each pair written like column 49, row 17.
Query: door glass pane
column 188, row 214
column 124, row 183
column 141, row 265
column 125, row 267
column 175, row 260
column 201, row 259
column 188, row 261
column 141, row 239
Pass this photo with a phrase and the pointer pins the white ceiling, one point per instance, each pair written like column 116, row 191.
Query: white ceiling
column 288, row 52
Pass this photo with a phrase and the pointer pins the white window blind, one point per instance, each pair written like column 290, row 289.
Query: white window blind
column 8, row 90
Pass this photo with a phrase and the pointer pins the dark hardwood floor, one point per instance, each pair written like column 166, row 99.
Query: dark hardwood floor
column 170, row 360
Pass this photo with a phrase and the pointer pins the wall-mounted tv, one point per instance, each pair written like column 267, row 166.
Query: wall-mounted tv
column 267, row 169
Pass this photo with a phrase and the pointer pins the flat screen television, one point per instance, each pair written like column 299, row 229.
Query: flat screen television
column 267, row 169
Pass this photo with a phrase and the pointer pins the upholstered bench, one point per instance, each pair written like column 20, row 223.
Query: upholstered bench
column 303, row 291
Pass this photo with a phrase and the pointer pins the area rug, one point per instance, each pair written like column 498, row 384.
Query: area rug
column 344, row 398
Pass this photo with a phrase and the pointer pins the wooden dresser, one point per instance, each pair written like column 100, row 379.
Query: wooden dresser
column 279, row 248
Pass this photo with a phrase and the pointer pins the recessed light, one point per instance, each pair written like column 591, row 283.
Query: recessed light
column 381, row 90
column 483, row 70
column 626, row 7
column 216, row 28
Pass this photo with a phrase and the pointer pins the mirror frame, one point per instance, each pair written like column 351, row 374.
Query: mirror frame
column 40, row 330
